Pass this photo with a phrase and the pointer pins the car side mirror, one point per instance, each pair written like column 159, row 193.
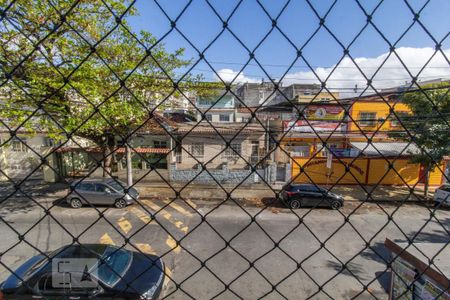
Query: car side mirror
column 108, row 191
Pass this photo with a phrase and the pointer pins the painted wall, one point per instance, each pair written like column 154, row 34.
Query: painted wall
column 317, row 97
column 215, row 116
column 213, row 145
column 20, row 161
column 382, row 112
column 370, row 171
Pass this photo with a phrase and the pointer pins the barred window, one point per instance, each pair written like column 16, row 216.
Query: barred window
column 394, row 119
column 224, row 118
column 198, row 150
column 233, row 151
column 367, row 118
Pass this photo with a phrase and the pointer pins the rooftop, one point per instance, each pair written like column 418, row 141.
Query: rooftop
column 222, row 128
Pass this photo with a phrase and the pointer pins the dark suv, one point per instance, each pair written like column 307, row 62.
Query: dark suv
column 301, row 195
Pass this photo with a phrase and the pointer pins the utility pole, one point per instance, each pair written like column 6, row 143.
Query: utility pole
column 129, row 166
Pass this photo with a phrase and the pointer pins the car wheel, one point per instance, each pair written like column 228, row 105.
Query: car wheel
column 336, row 204
column 75, row 203
column 120, row 203
column 294, row 204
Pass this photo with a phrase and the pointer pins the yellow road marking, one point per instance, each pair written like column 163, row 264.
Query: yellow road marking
column 173, row 244
column 168, row 276
column 106, row 239
column 167, row 216
column 191, row 203
column 178, row 208
column 145, row 248
column 124, row 224
column 142, row 215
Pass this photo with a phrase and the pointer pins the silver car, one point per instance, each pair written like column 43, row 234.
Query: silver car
column 442, row 195
column 101, row 191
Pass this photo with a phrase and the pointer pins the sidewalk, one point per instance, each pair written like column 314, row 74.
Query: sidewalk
column 256, row 193
column 350, row 193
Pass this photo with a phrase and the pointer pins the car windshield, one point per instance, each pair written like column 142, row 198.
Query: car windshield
column 117, row 185
column 113, row 265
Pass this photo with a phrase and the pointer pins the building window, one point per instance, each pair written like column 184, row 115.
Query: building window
column 255, row 149
column 368, row 118
column 205, row 102
column 224, row 118
column 160, row 144
column 209, row 117
column 233, row 151
column 198, row 150
column 19, row 146
column 394, row 119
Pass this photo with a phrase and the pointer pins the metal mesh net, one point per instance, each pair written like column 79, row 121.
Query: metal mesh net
column 90, row 101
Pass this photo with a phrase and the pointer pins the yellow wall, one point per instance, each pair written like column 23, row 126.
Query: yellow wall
column 318, row 97
column 316, row 171
column 382, row 111
column 436, row 177
column 403, row 171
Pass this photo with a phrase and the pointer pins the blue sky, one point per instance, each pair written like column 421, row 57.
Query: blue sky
column 298, row 22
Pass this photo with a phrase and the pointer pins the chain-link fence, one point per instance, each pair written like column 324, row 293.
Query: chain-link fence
column 316, row 182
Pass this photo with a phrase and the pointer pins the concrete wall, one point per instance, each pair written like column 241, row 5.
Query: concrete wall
column 213, row 145
column 215, row 116
column 223, row 175
column 20, row 162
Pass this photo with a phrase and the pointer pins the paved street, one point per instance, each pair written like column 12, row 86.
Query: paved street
column 251, row 236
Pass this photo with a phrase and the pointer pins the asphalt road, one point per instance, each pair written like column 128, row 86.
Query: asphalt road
column 225, row 250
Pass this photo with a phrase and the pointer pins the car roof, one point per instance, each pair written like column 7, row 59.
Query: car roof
column 93, row 180
column 69, row 250
column 303, row 185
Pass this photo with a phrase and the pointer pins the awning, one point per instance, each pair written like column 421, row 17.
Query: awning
column 117, row 150
column 385, row 149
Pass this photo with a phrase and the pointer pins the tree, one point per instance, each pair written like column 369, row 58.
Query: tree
column 428, row 125
column 80, row 69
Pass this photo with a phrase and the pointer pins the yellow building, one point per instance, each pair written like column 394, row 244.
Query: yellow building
column 375, row 117
column 313, row 97
column 348, row 158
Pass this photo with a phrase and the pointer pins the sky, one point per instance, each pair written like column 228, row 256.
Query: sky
column 276, row 54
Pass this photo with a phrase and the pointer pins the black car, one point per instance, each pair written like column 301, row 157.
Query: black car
column 302, row 195
column 118, row 274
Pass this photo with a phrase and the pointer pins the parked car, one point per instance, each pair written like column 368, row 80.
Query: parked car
column 101, row 191
column 302, row 195
column 442, row 195
column 119, row 274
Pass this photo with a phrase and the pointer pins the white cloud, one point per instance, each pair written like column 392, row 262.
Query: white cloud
column 229, row 75
column 386, row 69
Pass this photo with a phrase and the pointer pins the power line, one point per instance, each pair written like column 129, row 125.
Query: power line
column 325, row 67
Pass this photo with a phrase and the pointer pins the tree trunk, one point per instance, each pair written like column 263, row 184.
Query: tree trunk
column 427, row 183
column 107, row 155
